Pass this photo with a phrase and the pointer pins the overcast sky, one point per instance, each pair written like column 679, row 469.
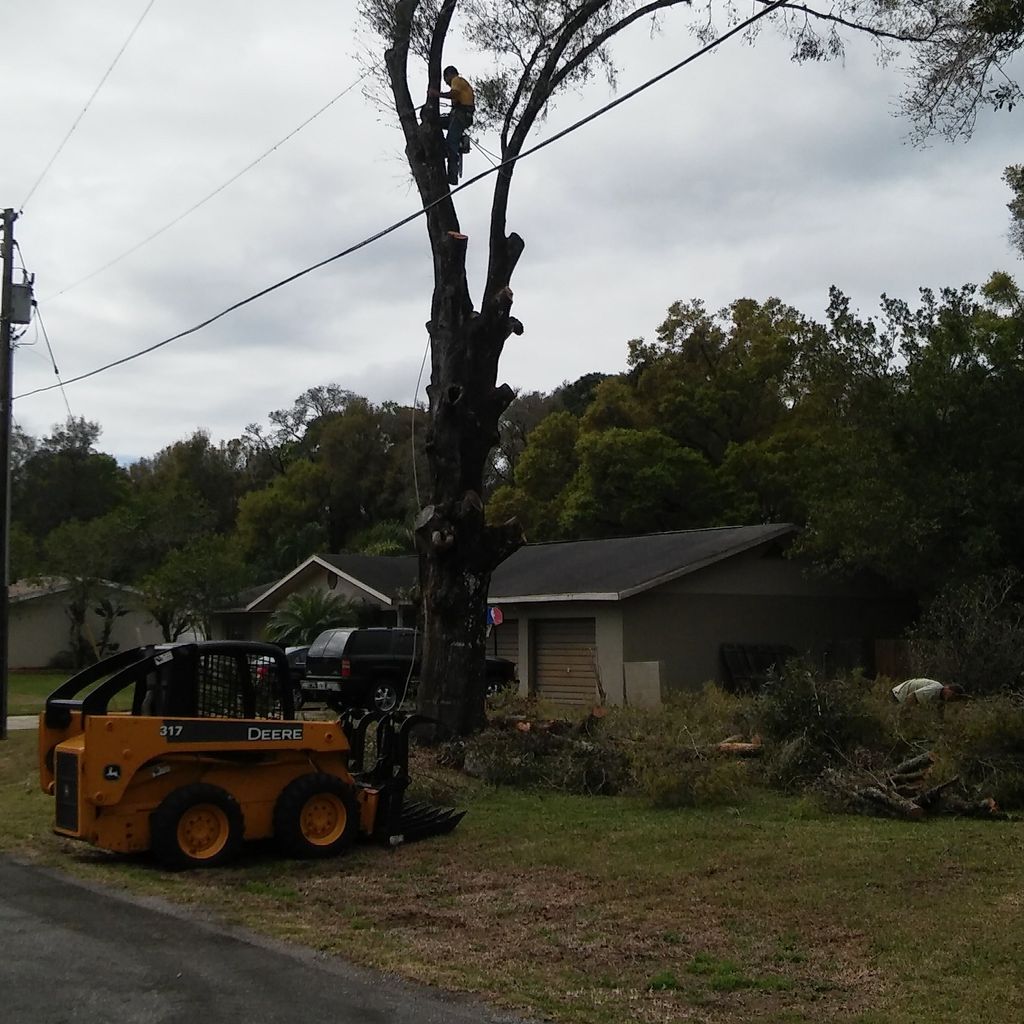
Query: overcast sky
column 742, row 175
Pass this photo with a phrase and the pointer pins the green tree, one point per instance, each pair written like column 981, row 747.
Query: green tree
column 637, row 481
column 65, row 478
column 1014, row 177
column 304, row 616
column 192, row 583
column 82, row 554
column 514, row 428
column 577, row 395
column 388, row 538
column 912, row 470
column 547, row 464
column 284, row 522
column 193, row 473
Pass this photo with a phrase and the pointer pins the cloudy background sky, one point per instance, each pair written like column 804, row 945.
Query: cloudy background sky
column 743, row 175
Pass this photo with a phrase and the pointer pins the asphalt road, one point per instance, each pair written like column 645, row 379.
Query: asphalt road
column 74, row 953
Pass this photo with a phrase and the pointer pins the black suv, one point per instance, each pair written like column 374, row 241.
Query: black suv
column 361, row 668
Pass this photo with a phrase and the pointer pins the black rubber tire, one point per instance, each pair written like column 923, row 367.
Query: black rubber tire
column 389, row 685
column 289, row 834
column 164, row 821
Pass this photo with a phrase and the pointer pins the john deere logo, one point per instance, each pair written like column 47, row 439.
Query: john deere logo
column 112, row 772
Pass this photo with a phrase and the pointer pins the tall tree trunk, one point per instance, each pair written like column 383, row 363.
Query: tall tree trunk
column 458, row 551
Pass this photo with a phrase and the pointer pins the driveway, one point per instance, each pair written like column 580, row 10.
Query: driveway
column 76, row 953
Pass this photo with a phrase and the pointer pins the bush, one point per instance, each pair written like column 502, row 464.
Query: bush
column 670, row 748
column 542, row 759
column 808, row 722
column 662, row 753
column 983, row 743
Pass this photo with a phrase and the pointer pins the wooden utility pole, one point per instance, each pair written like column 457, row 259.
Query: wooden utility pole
column 6, row 311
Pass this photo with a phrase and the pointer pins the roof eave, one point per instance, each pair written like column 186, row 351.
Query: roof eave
column 534, row 598
column 324, row 564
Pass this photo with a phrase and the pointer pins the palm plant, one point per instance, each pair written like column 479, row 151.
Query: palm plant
column 305, row 615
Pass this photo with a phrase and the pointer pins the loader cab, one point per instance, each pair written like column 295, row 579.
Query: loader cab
column 211, row 679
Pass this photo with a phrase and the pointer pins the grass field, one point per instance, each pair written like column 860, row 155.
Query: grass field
column 26, row 691
column 604, row 910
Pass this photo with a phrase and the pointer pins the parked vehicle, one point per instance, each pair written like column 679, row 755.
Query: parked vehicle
column 362, row 668
column 266, row 668
column 296, row 664
column 209, row 755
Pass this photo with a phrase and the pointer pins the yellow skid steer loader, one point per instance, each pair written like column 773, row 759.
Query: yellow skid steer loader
column 206, row 752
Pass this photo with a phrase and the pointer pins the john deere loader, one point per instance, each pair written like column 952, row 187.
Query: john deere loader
column 189, row 749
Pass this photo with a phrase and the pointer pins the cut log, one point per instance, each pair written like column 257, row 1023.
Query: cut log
column 893, row 803
column 918, row 763
column 739, row 749
column 931, row 797
column 986, row 808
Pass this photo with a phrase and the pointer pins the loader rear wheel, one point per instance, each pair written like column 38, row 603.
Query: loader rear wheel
column 316, row 815
column 197, row 826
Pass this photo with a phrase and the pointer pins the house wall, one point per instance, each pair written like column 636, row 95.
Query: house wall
column 40, row 629
column 753, row 599
column 608, row 634
column 238, row 625
column 675, row 631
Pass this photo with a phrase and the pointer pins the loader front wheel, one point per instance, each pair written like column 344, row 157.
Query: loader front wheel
column 197, row 826
column 316, row 815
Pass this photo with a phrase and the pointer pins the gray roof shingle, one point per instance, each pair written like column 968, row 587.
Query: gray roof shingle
column 618, row 567
column 386, row 575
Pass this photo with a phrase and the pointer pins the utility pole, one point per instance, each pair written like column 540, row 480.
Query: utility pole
column 6, row 311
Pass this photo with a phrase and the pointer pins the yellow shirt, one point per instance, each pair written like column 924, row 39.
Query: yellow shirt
column 462, row 92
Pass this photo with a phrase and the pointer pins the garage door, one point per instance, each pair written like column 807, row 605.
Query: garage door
column 564, row 659
column 504, row 640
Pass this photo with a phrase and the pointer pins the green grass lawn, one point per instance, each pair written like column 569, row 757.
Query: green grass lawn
column 604, row 910
column 26, row 691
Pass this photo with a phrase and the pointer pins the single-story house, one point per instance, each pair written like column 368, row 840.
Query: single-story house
column 634, row 617
column 383, row 583
column 39, row 628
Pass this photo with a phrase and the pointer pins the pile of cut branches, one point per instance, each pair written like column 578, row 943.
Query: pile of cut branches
column 907, row 792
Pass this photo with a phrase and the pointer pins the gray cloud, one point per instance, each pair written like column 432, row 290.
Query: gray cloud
column 742, row 175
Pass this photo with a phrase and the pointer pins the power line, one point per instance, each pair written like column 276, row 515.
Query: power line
column 618, row 101
column 53, row 362
column 195, row 206
column 490, row 158
column 106, row 75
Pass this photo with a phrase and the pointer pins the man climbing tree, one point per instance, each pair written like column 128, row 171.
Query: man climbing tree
column 538, row 48
column 463, row 102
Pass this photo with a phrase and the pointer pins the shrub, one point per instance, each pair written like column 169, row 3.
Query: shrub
column 807, row 722
column 544, row 759
column 983, row 743
column 671, row 748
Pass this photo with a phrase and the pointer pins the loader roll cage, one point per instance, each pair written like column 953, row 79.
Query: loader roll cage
column 205, row 679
